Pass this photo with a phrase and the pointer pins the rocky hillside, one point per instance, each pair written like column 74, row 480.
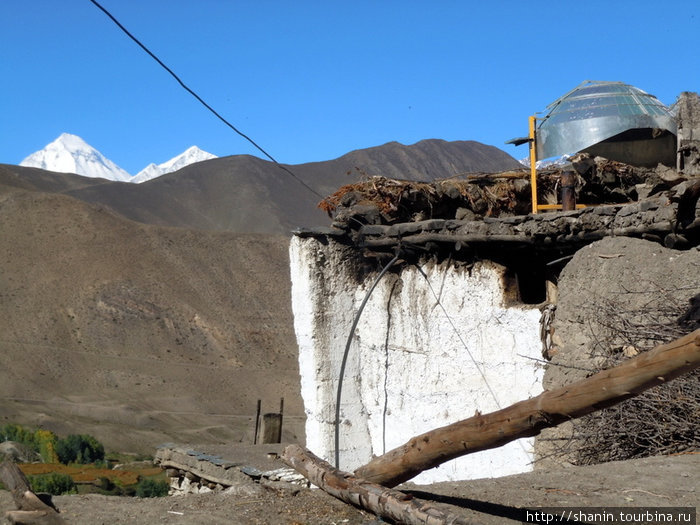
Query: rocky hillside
column 139, row 334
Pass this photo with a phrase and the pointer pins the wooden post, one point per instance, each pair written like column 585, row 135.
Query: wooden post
column 257, row 423
column 384, row 502
column 527, row 418
column 271, row 428
column 279, row 435
column 31, row 509
column 568, row 191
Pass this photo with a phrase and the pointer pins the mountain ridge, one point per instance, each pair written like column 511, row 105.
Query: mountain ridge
column 246, row 194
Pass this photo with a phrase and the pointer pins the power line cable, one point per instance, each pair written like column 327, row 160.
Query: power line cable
column 200, row 100
column 464, row 344
column 459, row 336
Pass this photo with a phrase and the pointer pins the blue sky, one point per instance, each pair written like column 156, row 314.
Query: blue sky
column 311, row 81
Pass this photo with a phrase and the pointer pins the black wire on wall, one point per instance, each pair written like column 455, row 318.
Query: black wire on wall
column 339, row 392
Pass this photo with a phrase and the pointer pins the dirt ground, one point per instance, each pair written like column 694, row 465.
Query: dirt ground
column 650, row 482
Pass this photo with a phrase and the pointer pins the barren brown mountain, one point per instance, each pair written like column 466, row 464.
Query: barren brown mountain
column 249, row 195
column 142, row 332
column 139, row 334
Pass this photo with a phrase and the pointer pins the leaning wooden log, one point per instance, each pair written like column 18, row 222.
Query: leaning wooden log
column 386, row 503
column 32, row 510
column 527, row 418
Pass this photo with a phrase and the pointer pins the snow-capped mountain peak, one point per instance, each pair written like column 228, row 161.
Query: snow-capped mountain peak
column 71, row 154
column 189, row 156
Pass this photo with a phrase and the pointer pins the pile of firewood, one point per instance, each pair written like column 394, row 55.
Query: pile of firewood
column 660, row 421
column 380, row 200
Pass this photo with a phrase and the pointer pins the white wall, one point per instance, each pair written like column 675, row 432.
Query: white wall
column 409, row 370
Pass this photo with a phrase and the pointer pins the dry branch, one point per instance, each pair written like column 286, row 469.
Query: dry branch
column 527, row 418
column 32, row 510
column 660, row 421
column 383, row 502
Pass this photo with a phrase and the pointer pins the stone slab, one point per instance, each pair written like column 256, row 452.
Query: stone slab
column 223, row 464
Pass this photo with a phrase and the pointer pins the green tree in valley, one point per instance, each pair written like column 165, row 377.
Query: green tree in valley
column 79, row 448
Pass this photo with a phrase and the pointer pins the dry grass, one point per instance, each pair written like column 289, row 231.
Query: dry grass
column 401, row 200
column 89, row 473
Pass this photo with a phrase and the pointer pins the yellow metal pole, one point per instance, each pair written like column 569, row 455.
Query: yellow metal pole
column 533, row 163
